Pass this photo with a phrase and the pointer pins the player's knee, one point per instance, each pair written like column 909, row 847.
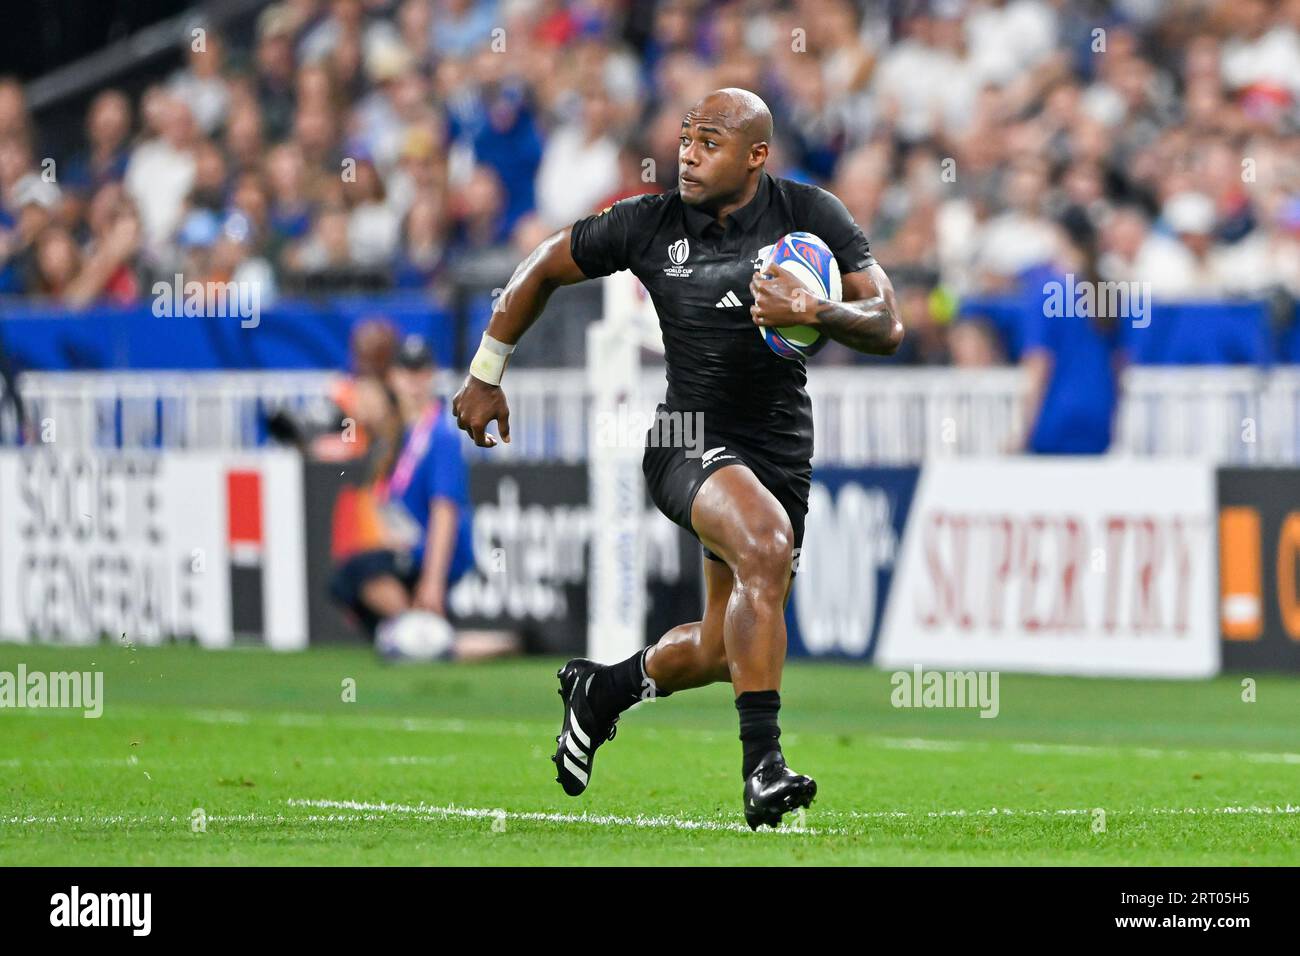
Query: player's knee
column 766, row 552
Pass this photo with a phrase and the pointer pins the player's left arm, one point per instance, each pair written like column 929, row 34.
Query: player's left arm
column 866, row 321
column 447, row 487
column 431, row 592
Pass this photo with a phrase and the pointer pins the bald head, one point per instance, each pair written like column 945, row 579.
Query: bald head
column 740, row 111
column 723, row 149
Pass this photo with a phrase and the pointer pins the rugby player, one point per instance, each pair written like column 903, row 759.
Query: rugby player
column 696, row 251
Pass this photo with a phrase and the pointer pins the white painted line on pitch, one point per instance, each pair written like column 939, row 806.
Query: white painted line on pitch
column 590, row 819
column 143, row 819
column 1286, row 809
column 1267, row 757
column 1081, row 750
column 533, row 729
column 428, row 725
column 383, row 811
column 919, row 743
column 358, row 812
column 132, row 761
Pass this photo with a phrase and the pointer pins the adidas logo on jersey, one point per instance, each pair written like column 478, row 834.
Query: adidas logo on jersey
column 729, row 301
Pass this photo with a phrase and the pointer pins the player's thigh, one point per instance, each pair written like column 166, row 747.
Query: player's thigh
column 742, row 522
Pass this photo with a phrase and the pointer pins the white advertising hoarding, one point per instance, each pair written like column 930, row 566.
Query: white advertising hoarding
column 1096, row 566
column 144, row 546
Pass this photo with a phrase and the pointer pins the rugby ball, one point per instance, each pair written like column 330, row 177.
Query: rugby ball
column 811, row 261
column 415, row 636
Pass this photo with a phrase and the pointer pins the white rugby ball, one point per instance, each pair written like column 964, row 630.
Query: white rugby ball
column 415, row 636
column 810, row 260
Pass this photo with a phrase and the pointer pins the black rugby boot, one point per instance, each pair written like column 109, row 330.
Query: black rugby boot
column 581, row 732
column 773, row 789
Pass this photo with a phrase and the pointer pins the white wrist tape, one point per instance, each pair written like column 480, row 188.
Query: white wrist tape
column 490, row 361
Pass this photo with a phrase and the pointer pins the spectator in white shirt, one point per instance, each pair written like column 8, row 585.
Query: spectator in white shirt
column 580, row 165
column 1021, row 237
column 201, row 84
column 1007, row 38
column 161, row 170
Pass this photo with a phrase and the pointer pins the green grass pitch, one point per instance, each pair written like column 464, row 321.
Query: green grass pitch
column 451, row 765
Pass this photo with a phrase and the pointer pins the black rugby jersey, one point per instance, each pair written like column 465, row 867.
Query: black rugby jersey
column 698, row 274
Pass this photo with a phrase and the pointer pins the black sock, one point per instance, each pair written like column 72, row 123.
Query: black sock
column 759, row 732
column 617, row 687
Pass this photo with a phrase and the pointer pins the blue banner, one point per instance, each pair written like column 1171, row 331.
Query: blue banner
column 1228, row 332
column 854, row 530
column 293, row 334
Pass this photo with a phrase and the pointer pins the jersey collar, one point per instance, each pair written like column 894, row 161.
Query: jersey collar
column 745, row 218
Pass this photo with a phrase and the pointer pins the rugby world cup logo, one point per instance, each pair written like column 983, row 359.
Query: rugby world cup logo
column 677, row 253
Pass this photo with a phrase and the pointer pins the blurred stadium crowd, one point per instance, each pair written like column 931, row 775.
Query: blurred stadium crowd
column 343, row 144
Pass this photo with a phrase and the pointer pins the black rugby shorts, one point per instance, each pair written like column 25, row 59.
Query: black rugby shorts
column 675, row 470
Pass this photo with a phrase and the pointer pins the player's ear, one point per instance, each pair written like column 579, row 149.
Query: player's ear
column 757, row 155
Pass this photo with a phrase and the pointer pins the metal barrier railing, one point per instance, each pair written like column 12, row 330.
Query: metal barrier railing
column 1229, row 415
column 872, row 416
column 161, row 409
column 902, row 416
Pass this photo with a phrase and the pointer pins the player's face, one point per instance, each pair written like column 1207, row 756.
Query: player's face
column 713, row 161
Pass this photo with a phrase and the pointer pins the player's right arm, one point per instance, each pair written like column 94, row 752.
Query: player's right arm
column 480, row 400
column 596, row 246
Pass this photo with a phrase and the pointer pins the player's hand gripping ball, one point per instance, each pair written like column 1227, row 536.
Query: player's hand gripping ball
column 794, row 273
